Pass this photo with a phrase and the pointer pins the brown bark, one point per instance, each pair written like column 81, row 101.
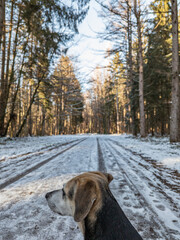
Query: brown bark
column 2, row 6
column 3, row 89
column 141, row 77
column 30, row 89
column 8, row 80
column 29, row 109
column 41, row 72
column 14, row 52
column 9, row 43
column 130, row 68
column 174, row 121
column 117, row 111
column 17, row 88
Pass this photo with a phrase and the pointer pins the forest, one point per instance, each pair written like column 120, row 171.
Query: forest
column 137, row 92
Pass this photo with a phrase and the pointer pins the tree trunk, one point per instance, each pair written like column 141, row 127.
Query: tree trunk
column 117, row 112
column 3, row 89
column 43, row 129
column 174, row 121
column 141, row 77
column 9, row 44
column 2, row 10
column 28, row 111
column 130, row 70
column 17, row 88
column 3, row 130
column 14, row 52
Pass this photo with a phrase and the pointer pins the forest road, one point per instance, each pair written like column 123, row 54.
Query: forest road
column 32, row 167
column 147, row 192
column 154, row 187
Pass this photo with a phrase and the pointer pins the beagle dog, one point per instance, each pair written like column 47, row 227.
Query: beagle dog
column 88, row 199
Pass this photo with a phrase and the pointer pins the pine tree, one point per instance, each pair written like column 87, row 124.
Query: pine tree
column 67, row 97
column 175, row 107
column 35, row 33
column 157, row 70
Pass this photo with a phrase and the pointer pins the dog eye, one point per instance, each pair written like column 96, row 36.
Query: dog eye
column 63, row 192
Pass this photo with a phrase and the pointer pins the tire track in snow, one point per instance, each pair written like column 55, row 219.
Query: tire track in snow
column 33, row 154
column 101, row 163
column 33, row 168
column 155, row 221
column 30, row 153
column 159, row 173
column 153, row 163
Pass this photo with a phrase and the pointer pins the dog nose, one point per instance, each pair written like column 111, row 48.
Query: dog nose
column 48, row 195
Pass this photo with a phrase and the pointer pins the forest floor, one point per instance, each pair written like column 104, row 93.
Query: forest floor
column 146, row 183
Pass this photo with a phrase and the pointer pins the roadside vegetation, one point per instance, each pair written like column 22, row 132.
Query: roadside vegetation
column 137, row 92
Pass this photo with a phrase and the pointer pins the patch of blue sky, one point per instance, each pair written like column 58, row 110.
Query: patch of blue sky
column 87, row 47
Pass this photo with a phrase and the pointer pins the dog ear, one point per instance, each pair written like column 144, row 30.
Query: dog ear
column 108, row 176
column 84, row 199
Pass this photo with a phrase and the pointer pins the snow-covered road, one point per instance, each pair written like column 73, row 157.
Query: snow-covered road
column 146, row 183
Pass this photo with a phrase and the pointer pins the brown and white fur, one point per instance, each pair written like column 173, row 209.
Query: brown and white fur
column 88, row 199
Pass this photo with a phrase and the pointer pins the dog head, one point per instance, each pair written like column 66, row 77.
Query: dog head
column 80, row 196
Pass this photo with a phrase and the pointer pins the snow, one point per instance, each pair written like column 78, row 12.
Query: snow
column 158, row 149
column 10, row 148
column 146, row 183
column 172, row 162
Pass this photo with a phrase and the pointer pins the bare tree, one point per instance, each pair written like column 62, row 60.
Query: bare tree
column 3, row 87
column 2, row 11
column 130, row 66
column 174, row 122
column 141, row 77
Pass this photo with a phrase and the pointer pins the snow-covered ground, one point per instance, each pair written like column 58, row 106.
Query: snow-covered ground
column 146, row 183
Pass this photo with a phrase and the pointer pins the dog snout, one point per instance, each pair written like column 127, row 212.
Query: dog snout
column 48, row 195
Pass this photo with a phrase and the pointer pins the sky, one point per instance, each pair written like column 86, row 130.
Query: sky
column 88, row 48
